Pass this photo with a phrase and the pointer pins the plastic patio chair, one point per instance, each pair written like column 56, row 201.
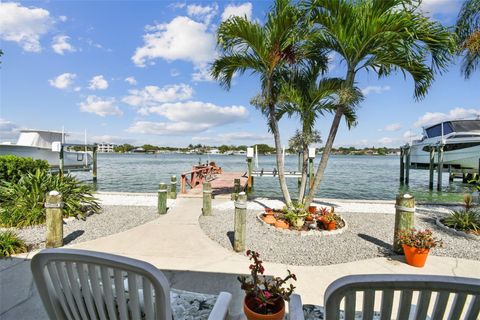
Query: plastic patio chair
column 80, row 284
column 395, row 297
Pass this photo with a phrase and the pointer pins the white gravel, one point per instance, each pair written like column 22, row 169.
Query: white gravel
column 369, row 234
column 130, row 199
column 111, row 220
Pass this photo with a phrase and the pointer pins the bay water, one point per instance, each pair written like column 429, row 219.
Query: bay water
column 346, row 177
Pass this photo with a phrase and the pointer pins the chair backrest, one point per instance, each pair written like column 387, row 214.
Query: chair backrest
column 403, row 297
column 79, row 284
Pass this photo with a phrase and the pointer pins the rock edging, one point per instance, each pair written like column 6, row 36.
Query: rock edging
column 456, row 232
column 321, row 233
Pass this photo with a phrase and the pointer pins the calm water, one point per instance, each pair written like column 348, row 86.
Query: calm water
column 346, row 177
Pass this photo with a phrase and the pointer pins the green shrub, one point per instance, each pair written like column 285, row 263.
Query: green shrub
column 10, row 244
column 463, row 220
column 12, row 168
column 23, row 201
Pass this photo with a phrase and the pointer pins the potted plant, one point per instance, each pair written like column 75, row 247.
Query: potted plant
column 416, row 245
column 295, row 214
column 329, row 221
column 264, row 296
column 282, row 224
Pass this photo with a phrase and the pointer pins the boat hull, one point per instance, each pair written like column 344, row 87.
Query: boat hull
column 71, row 159
column 465, row 158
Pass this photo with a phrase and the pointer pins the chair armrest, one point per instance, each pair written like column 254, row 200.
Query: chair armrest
column 220, row 309
column 295, row 308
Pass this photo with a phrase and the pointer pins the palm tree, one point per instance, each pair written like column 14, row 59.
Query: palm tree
column 308, row 99
column 468, row 31
column 267, row 51
column 381, row 36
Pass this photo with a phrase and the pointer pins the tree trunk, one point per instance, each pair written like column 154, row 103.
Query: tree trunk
column 303, row 181
column 329, row 144
column 278, row 147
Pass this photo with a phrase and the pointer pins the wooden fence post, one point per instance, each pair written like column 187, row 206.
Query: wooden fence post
column 240, row 222
column 207, row 199
column 54, row 222
column 173, row 188
column 404, row 217
column 162, row 198
column 236, row 189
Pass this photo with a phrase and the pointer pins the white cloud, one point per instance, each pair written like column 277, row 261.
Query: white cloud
column 174, row 73
column 385, row 141
column 375, row 89
column 63, row 81
column 180, row 39
column 433, row 7
column 63, row 18
column 409, row 136
column 110, row 139
column 131, row 80
column 241, row 10
column 206, row 13
column 198, row 112
column 98, row 83
column 151, row 96
column 24, row 25
column 60, row 44
column 100, row 106
column 202, row 73
column 430, row 118
column 392, row 127
column 164, row 128
column 8, row 129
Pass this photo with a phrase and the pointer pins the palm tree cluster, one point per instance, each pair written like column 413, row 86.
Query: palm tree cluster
column 289, row 53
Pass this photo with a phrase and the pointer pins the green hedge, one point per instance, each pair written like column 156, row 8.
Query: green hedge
column 12, row 168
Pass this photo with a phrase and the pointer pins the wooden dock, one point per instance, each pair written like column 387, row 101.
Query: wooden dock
column 222, row 182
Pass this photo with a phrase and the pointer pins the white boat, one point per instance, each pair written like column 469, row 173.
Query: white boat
column 460, row 140
column 46, row 145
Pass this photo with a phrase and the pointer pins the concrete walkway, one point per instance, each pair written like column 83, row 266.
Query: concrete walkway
column 175, row 243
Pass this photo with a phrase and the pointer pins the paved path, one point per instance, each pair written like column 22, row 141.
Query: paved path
column 176, row 243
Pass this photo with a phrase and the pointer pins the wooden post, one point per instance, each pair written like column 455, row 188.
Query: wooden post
column 236, row 189
column 61, row 163
column 173, row 188
column 404, row 217
column 94, row 164
column 407, row 166
column 162, row 198
column 207, row 199
column 183, row 184
column 310, row 172
column 431, row 167
column 54, row 222
column 240, row 227
column 450, row 175
column 440, row 168
column 402, row 165
column 250, row 178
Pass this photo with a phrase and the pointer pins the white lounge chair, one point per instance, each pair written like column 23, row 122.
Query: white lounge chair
column 395, row 297
column 79, row 284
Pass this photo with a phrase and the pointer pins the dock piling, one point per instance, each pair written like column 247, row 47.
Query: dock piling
column 431, row 168
column 402, row 165
column 207, row 199
column 162, row 198
column 173, row 188
column 236, row 189
column 440, row 168
column 61, row 163
column 407, row 166
column 94, row 164
column 404, row 217
column 240, row 222
column 54, row 219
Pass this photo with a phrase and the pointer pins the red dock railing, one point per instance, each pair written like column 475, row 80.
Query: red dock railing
column 198, row 175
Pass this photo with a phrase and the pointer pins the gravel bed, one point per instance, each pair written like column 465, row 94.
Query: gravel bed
column 111, row 220
column 369, row 235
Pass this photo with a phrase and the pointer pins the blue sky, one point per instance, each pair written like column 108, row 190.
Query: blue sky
column 137, row 72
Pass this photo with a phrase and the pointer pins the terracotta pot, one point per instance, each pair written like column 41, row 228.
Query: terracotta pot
column 414, row 256
column 309, row 218
column 270, row 219
column 269, row 211
column 281, row 224
column 312, row 209
column 330, row 225
column 278, row 310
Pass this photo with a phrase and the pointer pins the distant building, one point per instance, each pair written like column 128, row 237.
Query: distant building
column 106, row 147
column 214, row 151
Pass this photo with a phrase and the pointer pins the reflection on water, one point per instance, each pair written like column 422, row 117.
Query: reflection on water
column 346, row 177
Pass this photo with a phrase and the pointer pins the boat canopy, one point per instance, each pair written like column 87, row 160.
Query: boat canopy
column 452, row 126
column 41, row 139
